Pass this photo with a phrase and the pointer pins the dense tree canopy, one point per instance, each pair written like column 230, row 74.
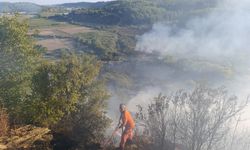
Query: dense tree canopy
column 139, row 12
column 18, row 61
column 118, row 13
column 103, row 43
column 58, row 87
column 44, row 92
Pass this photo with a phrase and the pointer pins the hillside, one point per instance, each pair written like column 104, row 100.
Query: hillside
column 117, row 13
column 119, row 22
column 138, row 12
column 20, row 7
column 82, row 5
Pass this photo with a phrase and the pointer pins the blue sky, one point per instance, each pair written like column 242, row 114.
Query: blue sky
column 48, row 2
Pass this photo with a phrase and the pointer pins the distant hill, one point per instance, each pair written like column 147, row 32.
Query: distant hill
column 136, row 12
column 117, row 13
column 20, row 7
column 82, row 5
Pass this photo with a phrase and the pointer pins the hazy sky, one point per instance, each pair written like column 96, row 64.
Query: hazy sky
column 48, row 2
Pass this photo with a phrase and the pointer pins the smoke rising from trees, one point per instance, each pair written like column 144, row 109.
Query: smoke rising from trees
column 217, row 40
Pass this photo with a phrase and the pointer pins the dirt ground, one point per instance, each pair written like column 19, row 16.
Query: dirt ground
column 53, row 44
column 75, row 30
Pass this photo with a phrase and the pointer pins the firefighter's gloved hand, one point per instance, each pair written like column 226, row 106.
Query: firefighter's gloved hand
column 121, row 126
column 117, row 128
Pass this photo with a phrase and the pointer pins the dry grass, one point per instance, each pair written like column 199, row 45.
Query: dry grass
column 27, row 137
column 75, row 30
column 62, row 31
column 4, row 122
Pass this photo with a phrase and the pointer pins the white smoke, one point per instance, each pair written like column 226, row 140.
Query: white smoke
column 222, row 34
column 143, row 98
column 222, row 37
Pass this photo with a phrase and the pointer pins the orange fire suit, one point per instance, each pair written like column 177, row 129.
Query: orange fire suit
column 129, row 124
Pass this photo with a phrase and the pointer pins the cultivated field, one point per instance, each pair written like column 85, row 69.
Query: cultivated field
column 54, row 44
column 63, row 31
column 55, row 35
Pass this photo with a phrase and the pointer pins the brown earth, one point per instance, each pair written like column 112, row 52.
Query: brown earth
column 53, row 44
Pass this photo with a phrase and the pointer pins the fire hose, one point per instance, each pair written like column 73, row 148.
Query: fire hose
column 111, row 137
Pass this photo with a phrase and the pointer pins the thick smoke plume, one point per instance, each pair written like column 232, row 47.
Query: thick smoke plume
column 221, row 39
column 224, row 34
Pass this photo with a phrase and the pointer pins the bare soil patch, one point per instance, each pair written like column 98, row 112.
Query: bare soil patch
column 53, row 44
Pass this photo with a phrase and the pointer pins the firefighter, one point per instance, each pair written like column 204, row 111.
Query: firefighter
column 126, row 121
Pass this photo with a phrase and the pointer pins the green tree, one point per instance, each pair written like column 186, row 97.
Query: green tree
column 58, row 87
column 18, row 60
column 68, row 96
column 65, row 94
column 88, row 124
column 103, row 43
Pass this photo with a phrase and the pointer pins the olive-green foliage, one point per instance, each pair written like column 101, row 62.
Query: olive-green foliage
column 69, row 97
column 18, row 60
column 126, row 43
column 16, row 48
column 135, row 12
column 59, row 86
column 41, row 92
column 140, row 12
column 19, row 7
column 87, row 125
column 103, row 43
column 127, row 37
column 125, row 12
column 114, row 43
